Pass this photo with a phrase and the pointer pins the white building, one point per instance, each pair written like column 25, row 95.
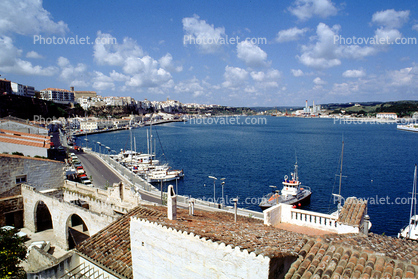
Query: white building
column 57, row 95
column 25, row 143
column 18, row 89
column 386, row 115
column 89, row 124
column 29, row 91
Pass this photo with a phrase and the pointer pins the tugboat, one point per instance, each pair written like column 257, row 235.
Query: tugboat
column 292, row 193
column 411, row 230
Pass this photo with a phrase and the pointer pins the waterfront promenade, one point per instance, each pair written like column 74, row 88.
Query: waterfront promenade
column 150, row 193
column 91, row 132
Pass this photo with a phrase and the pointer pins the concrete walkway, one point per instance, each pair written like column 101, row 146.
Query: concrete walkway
column 302, row 229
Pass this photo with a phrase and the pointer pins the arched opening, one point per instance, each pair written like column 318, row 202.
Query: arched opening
column 77, row 231
column 43, row 219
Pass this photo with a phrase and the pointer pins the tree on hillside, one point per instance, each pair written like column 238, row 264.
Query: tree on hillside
column 12, row 252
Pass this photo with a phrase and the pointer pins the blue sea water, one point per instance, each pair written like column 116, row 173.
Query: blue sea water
column 378, row 161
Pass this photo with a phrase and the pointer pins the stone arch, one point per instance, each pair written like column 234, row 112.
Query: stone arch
column 76, row 230
column 42, row 217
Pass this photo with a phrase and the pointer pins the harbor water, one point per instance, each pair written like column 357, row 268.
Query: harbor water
column 378, row 161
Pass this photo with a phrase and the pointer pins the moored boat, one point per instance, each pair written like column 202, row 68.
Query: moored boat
column 292, row 192
column 410, row 231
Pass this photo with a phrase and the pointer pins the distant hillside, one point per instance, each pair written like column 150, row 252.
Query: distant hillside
column 27, row 108
column 401, row 108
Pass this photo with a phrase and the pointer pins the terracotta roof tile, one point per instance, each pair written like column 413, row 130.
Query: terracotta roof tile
column 111, row 246
column 329, row 256
column 355, row 256
column 23, row 134
column 24, row 142
column 352, row 212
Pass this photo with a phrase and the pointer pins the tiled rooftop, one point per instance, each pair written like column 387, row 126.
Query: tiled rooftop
column 29, row 158
column 111, row 246
column 23, row 142
column 352, row 211
column 24, row 138
column 355, row 256
column 23, row 134
column 56, row 89
column 327, row 256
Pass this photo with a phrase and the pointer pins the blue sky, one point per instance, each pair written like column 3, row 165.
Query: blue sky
column 296, row 50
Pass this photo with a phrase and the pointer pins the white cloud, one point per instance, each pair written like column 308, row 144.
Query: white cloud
column 322, row 54
column 205, row 36
column 74, row 75
column 404, row 77
column 297, row 73
column 389, row 21
column 344, row 89
column 390, row 18
column 138, row 70
column 145, row 72
column 234, row 77
column 166, row 63
column 319, row 81
column 118, row 76
column 354, row 73
column 305, row 9
column 34, row 55
column 8, row 52
column 268, row 79
column 292, row 34
column 102, row 82
column 11, row 63
column 192, row 86
column 115, row 54
column 28, row 17
column 327, row 52
column 387, row 36
column 251, row 54
column 415, row 27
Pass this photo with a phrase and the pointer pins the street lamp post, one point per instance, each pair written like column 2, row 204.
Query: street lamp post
column 100, row 146
column 177, row 190
column 223, row 183
column 214, row 182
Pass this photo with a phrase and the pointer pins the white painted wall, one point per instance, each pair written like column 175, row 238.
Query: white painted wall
column 60, row 212
column 25, row 149
column 160, row 252
column 284, row 213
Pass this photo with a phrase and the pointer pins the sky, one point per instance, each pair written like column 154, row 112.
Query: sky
column 234, row 53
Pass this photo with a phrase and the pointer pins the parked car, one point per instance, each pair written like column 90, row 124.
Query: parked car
column 85, row 180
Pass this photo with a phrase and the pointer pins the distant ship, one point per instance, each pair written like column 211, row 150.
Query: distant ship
column 409, row 127
column 292, row 192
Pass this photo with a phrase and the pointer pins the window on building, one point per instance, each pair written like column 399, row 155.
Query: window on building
column 20, row 179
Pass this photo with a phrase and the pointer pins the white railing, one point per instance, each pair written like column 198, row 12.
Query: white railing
column 181, row 200
column 304, row 217
column 284, row 213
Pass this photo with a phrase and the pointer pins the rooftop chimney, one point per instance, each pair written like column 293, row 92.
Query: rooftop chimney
column 171, row 203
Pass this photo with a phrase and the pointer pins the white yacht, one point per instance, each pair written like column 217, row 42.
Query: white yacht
column 410, row 231
column 164, row 175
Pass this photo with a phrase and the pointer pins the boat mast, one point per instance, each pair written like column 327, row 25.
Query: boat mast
column 296, row 171
column 339, row 197
column 413, row 202
column 341, row 169
column 147, row 142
